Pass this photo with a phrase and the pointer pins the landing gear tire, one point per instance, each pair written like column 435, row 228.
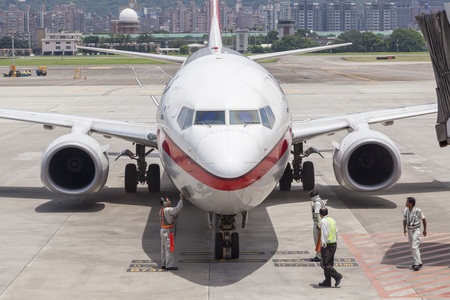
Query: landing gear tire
column 131, row 178
column 219, row 245
column 286, row 179
column 153, row 178
column 235, row 245
column 308, row 177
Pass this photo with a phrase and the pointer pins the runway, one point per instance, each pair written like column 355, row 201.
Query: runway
column 106, row 246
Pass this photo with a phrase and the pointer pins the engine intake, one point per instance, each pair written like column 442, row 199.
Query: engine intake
column 366, row 160
column 74, row 164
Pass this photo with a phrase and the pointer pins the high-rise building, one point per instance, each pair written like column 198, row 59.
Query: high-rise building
column 404, row 16
column 12, row 20
column 307, row 15
column 380, row 16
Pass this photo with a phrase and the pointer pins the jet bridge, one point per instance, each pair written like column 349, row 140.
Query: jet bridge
column 435, row 28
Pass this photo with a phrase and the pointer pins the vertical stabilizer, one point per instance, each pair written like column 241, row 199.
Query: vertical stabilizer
column 215, row 36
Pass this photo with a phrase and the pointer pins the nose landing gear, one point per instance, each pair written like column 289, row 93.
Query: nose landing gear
column 225, row 238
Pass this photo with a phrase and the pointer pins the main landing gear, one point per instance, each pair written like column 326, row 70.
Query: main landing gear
column 299, row 172
column 138, row 173
column 225, row 239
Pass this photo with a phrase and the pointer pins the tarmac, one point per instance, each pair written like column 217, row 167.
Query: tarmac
column 107, row 245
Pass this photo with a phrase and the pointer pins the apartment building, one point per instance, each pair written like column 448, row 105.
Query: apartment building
column 60, row 43
column 380, row 16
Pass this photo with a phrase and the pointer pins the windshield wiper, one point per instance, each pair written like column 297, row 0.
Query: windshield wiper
column 203, row 123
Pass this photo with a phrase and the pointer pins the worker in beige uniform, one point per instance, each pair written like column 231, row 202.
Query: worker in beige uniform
column 411, row 224
column 316, row 205
column 167, row 217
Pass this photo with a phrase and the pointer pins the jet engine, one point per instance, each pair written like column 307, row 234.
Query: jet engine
column 74, row 164
column 366, row 160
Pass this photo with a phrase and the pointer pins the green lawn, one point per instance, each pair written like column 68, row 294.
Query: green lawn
column 124, row 60
column 78, row 61
column 401, row 58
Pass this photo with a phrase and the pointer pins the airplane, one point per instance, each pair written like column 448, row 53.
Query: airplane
column 225, row 137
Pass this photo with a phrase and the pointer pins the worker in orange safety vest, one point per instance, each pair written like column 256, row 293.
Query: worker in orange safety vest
column 167, row 217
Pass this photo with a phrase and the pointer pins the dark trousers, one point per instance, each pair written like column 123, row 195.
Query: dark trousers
column 327, row 262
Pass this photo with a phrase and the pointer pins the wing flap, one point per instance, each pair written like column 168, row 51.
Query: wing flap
column 297, row 51
column 159, row 57
column 309, row 129
column 144, row 134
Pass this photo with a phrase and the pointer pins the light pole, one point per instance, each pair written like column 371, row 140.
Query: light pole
column 12, row 34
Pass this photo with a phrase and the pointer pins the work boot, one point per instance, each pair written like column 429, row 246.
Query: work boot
column 338, row 280
column 325, row 284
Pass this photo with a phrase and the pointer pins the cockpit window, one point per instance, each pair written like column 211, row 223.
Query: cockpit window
column 267, row 116
column 244, row 117
column 185, row 118
column 209, row 117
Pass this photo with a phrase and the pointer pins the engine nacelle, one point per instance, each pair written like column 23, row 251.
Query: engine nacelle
column 366, row 160
column 75, row 164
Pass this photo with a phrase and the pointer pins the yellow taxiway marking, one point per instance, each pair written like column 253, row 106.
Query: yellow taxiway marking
column 151, row 92
column 332, row 70
column 85, row 90
column 338, row 68
column 100, row 68
column 241, row 261
column 358, row 77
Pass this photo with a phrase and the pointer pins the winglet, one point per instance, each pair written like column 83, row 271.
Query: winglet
column 215, row 36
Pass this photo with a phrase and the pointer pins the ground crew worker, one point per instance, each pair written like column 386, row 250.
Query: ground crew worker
column 411, row 222
column 329, row 235
column 317, row 203
column 167, row 217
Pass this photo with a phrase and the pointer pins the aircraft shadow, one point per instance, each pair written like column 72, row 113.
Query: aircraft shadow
column 376, row 200
column 194, row 246
column 432, row 254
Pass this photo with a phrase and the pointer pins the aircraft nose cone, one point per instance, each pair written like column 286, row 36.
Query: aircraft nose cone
column 228, row 155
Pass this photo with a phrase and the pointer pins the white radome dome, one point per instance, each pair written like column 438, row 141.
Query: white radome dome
column 128, row 15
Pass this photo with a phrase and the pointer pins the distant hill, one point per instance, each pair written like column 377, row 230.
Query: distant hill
column 98, row 6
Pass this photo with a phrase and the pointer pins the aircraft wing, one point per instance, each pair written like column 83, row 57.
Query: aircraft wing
column 260, row 57
column 308, row 129
column 160, row 57
column 144, row 134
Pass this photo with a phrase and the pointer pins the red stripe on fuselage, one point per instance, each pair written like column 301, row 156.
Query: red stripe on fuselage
column 221, row 183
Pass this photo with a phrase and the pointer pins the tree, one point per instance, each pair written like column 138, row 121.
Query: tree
column 6, row 43
column 91, row 39
column 177, row 43
column 405, row 40
column 373, row 42
column 351, row 36
column 257, row 49
column 144, row 38
column 291, row 42
column 302, row 32
column 272, row 36
column 184, row 49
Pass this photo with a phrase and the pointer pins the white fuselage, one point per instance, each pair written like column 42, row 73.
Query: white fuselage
column 231, row 164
